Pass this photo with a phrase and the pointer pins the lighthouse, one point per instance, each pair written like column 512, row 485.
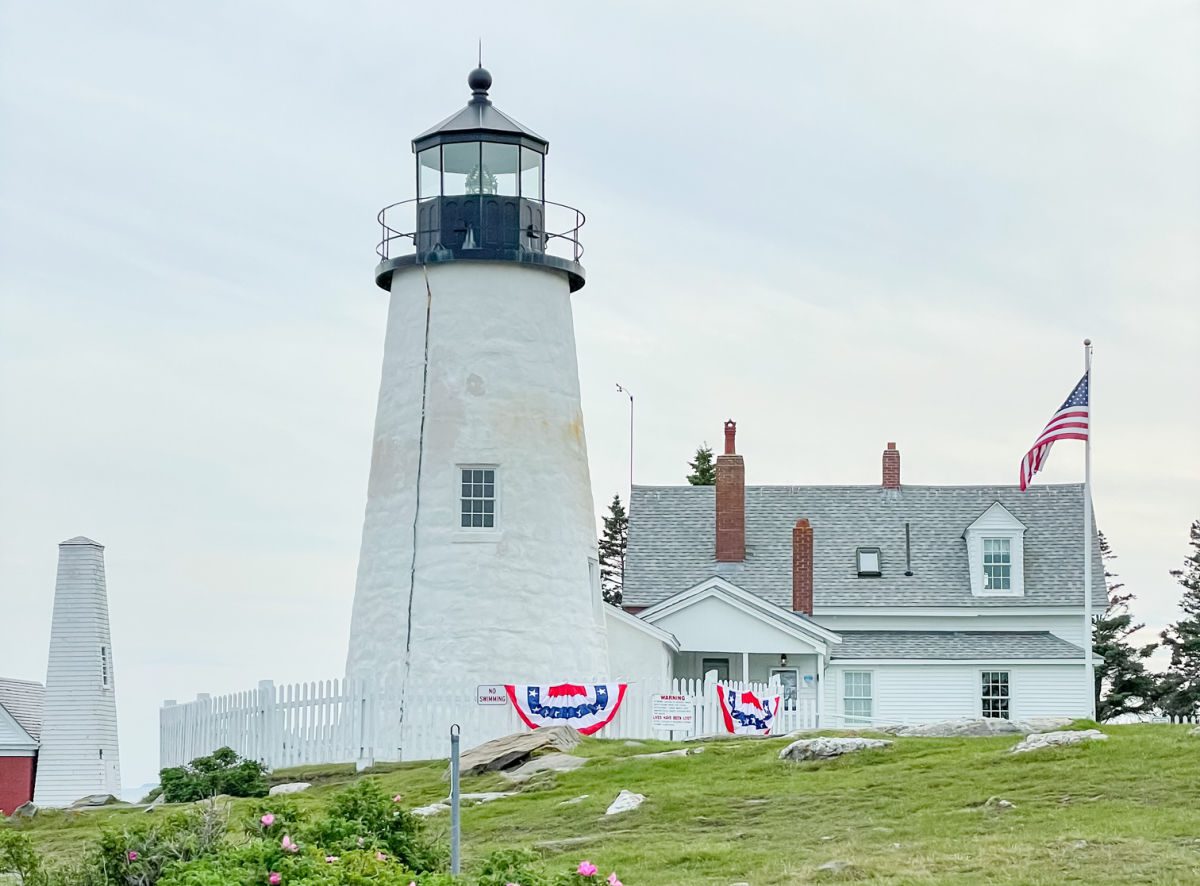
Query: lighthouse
column 79, row 754
column 478, row 561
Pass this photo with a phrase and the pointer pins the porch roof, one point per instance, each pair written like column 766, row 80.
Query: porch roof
column 954, row 645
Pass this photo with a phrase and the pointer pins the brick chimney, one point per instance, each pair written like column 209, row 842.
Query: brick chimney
column 891, row 467
column 802, row 567
column 731, row 501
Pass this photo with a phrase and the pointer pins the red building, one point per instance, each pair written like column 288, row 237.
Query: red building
column 20, row 729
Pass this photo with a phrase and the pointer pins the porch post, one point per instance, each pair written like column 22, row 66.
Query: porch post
column 820, row 687
column 745, row 667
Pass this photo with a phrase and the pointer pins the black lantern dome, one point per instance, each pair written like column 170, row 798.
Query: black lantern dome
column 481, row 196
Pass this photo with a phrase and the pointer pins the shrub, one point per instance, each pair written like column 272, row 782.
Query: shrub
column 224, row 772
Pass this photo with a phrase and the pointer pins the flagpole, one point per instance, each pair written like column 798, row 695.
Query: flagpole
column 1088, row 672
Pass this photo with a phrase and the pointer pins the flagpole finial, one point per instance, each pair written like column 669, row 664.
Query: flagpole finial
column 1087, row 342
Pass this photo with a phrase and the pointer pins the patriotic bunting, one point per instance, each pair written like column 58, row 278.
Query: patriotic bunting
column 745, row 713
column 588, row 708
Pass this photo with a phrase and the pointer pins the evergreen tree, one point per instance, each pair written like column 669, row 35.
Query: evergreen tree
column 704, row 471
column 1123, row 685
column 1180, row 685
column 613, row 542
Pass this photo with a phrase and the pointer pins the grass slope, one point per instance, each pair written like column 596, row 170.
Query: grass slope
column 1122, row 811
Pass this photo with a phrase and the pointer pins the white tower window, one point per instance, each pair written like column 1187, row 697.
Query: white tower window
column 478, row 498
column 105, row 668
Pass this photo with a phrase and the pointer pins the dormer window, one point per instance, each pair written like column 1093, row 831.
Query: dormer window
column 997, row 564
column 996, row 554
column 869, row 562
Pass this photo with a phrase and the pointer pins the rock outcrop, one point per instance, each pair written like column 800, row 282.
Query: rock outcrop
column 828, row 748
column 1040, row 740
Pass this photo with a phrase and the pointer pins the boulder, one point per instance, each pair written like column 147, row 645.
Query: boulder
column 835, row 867
column 1039, row 740
column 828, row 748
column 1194, row 732
column 482, row 797
column 678, row 752
column 968, row 727
column 94, row 800
column 25, row 810
column 544, row 763
column 998, row 803
column 512, row 750
column 293, row 787
column 431, row 809
column 625, row 802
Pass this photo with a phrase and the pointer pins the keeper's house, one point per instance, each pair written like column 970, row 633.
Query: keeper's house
column 20, row 729
column 886, row 603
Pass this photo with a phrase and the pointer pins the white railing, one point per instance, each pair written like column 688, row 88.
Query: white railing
column 350, row 721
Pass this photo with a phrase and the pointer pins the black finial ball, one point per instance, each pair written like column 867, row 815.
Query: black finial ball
column 479, row 80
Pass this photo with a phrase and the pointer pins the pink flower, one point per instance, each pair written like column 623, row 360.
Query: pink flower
column 267, row 820
column 398, row 798
column 613, row 881
column 274, row 878
column 379, row 856
column 131, row 855
column 586, row 869
column 330, row 859
column 288, row 846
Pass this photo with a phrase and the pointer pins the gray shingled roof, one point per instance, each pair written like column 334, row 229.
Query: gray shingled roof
column 671, row 543
column 23, row 699
column 954, row 645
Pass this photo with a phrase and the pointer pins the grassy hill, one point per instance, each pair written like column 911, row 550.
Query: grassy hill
column 1122, row 811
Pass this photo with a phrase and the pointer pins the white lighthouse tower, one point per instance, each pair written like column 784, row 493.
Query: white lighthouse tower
column 478, row 561
column 79, row 755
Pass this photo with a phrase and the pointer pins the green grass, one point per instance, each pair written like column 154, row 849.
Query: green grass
column 1122, row 811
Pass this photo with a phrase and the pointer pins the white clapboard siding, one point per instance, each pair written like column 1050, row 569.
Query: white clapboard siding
column 351, row 721
column 79, row 754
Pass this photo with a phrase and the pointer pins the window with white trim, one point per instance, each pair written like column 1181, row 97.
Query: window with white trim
column 994, row 700
column 857, row 696
column 997, row 564
column 105, row 668
column 478, row 498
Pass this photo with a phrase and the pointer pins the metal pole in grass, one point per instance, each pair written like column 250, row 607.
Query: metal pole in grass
column 455, row 810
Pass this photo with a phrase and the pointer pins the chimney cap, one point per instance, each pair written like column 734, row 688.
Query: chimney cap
column 891, row 446
column 730, row 435
column 803, row 521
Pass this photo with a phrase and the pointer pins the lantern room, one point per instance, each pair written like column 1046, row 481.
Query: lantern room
column 481, row 196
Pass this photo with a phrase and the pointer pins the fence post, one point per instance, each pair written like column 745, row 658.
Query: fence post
column 455, row 803
column 265, row 740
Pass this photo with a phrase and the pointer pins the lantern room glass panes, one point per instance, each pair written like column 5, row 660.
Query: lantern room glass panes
column 429, row 173
column 460, row 168
column 531, row 174
column 500, row 169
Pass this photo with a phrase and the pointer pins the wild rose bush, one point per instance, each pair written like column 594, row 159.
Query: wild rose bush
column 362, row 838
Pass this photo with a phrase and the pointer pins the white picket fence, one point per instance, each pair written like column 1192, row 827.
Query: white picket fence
column 349, row 721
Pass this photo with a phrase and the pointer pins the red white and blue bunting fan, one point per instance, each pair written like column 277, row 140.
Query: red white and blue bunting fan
column 745, row 713
column 588, row 708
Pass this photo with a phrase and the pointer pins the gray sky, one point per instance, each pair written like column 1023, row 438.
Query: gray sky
column 840, row 224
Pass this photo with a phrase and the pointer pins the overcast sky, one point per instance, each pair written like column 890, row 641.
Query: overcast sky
column 840, row 224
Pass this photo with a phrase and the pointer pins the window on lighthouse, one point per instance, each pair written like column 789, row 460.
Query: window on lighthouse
column 478, row 499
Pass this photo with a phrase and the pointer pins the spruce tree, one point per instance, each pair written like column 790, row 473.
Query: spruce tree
column 704, row 471
column 613, row 542
column 1123, row 685
column 1180, row 685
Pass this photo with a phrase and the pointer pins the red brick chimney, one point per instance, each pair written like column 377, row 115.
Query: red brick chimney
column 731, row 501
column 802, row 567
column 891, row 467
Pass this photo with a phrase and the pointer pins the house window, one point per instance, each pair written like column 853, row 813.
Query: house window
column 856, row 699
column 720, row 665
column 105, row 668
column 478, row 499
column 995, row 694
column 997, row 564
column 868, row 562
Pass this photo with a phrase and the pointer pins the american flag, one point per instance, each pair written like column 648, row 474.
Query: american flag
column 1069, row 423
